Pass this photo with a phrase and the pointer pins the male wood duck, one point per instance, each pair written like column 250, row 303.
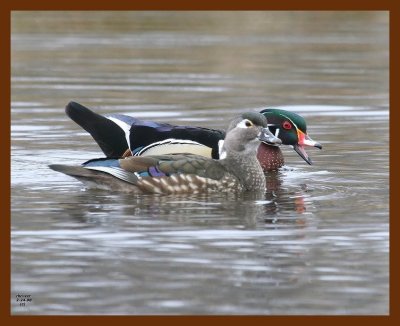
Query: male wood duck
column 121, row 135
column 238, row 170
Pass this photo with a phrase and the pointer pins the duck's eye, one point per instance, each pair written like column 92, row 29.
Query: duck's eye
column 287, row 125
column 244, row 124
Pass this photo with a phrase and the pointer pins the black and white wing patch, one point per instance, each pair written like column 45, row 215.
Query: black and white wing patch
column 174, row 146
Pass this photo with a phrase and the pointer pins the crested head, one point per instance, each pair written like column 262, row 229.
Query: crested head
column 285, row 124
column 253, row 118
column 291, row 128
column 277, row 115
column 245, row 133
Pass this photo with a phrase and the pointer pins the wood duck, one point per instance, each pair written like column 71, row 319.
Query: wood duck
column 238, row 170
column 121, row 136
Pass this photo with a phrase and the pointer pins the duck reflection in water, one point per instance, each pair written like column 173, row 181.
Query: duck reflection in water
column 281, row 206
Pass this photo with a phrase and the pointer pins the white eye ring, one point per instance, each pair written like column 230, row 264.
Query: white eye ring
column 245, row 123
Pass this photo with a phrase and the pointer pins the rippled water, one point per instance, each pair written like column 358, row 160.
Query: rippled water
column 318, row 242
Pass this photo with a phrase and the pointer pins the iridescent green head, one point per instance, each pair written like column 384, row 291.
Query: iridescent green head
column 291, row 128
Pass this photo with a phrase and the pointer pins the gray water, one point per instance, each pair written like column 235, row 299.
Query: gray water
column 318, row 243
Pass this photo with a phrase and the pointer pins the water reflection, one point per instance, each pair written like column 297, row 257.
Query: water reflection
column 248, row 211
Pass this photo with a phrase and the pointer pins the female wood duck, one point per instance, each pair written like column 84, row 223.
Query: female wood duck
column 121, row 136
column 238, row 170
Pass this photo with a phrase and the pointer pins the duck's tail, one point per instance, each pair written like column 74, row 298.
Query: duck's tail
column 107, row 134
column 73, row 170
column 95, row 178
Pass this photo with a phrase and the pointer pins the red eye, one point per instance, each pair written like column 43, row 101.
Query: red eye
column 287, row 125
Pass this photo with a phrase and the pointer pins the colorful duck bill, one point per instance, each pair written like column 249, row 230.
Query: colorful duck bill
column 121, row 136
column 238, row 171
column 305, row 140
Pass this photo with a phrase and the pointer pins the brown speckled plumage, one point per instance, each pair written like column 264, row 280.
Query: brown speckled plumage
column 270, row 157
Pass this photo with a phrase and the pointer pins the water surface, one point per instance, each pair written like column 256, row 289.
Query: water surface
column 318, row 243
